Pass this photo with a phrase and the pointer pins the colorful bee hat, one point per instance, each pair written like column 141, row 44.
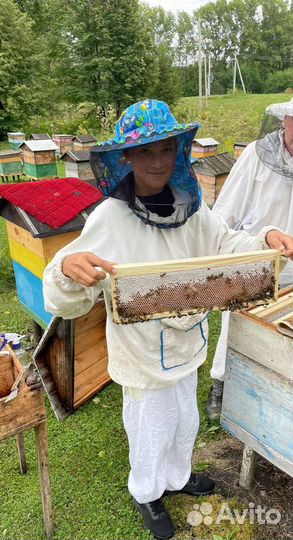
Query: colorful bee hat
column 143, row 123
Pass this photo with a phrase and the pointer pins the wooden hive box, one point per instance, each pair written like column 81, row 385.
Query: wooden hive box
column 83, row 142
column 63, row 142
column 77, row 165
column 211, row 173
column 258, row 389
column 15, row 139
column 40, row 136
column 204, row 147
column 72, row 360
column 32, row 245
column 10, row 164
column 39, row 159
column 238, row 148
column 20, row 406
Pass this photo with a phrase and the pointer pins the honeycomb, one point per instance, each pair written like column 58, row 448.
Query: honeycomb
column 175, row 293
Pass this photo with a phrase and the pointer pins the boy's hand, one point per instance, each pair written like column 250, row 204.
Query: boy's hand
column 81, row 267
column 281, row 241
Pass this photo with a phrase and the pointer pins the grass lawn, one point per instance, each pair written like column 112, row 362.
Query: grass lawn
column 229, row 118
column 88, row 451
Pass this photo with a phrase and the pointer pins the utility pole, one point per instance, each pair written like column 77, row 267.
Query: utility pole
column 206, row 79
column 209, row 75
column 199, row 70
column 240, row 75
column 234, row 73
column 236, row 66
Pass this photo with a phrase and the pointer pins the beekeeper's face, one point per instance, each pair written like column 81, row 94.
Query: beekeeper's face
column 153, row 165
column 288, row 135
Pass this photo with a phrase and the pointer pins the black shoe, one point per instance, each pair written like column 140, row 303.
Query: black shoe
column 214, row 403
column 197, row 485
column 156, row 518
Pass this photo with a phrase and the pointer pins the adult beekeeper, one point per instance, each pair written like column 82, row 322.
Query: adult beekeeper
column 257, row 192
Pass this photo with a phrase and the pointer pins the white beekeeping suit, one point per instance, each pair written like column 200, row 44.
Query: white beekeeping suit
column 258, row 191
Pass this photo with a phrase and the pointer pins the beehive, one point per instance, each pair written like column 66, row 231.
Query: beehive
column 83, row 142
column 32, row 245
column 72, row 356
column 211, row 173
column 72, row 360
column 39, row 159
column 10, row 165
column 238, row 148
column 40, row 136
column 63, row 142
column 182, row 287
column 15, row 139
column 204, row 147
column 258, row 388
column 77, row 165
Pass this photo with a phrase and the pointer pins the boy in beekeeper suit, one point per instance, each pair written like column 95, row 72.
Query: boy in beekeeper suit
column 153, row 212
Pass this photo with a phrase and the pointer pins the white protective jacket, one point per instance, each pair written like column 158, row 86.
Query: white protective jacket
column 254, row 196
column 155, row 353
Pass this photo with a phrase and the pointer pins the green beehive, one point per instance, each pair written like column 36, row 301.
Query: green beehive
column 10, row 164
column 15, row 139
column 39, row 160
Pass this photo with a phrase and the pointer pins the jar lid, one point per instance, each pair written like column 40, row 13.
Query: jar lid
column 16, row 344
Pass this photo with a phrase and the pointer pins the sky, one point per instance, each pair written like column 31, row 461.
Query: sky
column 176, row 5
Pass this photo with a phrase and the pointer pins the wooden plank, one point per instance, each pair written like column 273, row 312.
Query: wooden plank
column 34, row 316
column 52, row 244
column 59, row 356
column 261, row 402
column 186, row 286
column 282, row 299
column 21, row 453
column 258, row 446
column 88, row 381
column 21, row 413
column 24, row 238
column 27, row 258
column 59, row 410
column 274, row 308
column 29, row 157
column 30, row 292
column 11, row 159
column 261, row 342
column 90, row 329
column 45, row 157
column 90, row 356
column 92, row 391
column 247, row 467
column 142, row 269
column 44, row 475
column 95, row 337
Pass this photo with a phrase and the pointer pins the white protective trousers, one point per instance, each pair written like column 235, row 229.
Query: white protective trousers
column 219, row 361
column 161, row 425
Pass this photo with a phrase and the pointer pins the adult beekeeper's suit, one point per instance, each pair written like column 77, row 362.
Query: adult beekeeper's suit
column 258, row 191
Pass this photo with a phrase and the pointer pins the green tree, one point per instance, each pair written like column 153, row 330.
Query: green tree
column 166, row 83
column 16, row 67
column 111, row 52
column 279, row 81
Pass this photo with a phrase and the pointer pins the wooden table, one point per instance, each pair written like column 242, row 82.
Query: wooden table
column 22, row 407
